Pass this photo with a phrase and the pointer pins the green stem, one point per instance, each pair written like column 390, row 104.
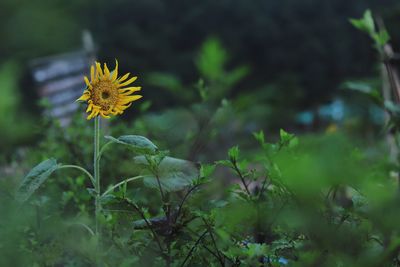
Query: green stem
column 81, row 169
column 121, row 183
column 96, row 169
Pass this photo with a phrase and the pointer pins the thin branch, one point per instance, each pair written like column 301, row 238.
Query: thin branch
column 209, row 250
column 220, row 258
column 160, row 187
column 235, row 167
column 184, row 199
column 263, row 186
column 193, row 248
column 148, row 224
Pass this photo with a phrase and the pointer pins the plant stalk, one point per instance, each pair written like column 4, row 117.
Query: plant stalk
column 96, row 170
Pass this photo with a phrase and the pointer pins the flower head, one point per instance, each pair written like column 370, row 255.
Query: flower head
column 106, row 94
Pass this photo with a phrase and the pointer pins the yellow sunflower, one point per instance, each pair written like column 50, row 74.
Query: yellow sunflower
column 106, row 94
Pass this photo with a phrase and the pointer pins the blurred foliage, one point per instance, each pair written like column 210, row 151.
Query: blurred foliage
column 324, row 199
column 367, row 25
column 14, row 122
column 315, row 201
column 276, row 61
column 275, row 39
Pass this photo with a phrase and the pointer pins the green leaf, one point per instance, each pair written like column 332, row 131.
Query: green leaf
column 369, row 21
column 224, row 162
column 365, row 24
column 211, row 60
column 35, row 178
column 165, row 80
column 365, row 88
column 382, row 37
column 285, row 136
column 358, row 86
column 233, row 153
column 139, row 144
column 207, row 169
column 287, row 139
column 392, row 107
column 259, row 137
column 236, row 75
column 174, row 174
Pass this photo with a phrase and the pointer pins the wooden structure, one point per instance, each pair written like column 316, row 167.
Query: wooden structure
column 59, row 79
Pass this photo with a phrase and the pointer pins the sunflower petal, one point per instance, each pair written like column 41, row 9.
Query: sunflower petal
column 129, row 90
column 89, row 108
column 123, row 78
column 86, row 80
column 115, row 72
column 114, row 112
column 118, row 110
column 85, row 96
column 94, row 113
column 92, row 73
column 106, row 71
column 99, row 70
column 123, row 107
column 104, row 115
column 131, row 80
column 127, row 99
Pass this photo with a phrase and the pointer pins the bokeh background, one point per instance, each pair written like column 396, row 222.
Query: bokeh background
column 286, row 59
column 214, row 74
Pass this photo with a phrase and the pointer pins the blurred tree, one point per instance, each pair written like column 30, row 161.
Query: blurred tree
column 310, row 41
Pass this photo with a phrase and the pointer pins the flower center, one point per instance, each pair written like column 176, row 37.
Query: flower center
column 105, row 94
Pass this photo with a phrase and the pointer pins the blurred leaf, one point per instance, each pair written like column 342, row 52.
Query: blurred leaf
column 207, row 170
column 203, row 90
column 392, row 107
column 288, row 139
column 211, row 59
column 139, row 144
column 366, row 23
column 364, row 88
column 233, row 153
column 236, row 75
column 145, row 105
column 259, row 137
column 225, row 163
column 382, row 37
column 172, row 125
column 35, row 178
column 165, row 80
column 174, row 174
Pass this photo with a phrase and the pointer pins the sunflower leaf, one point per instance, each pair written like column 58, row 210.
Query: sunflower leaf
column 35, row 178
column 139, row 144
column 174, row 174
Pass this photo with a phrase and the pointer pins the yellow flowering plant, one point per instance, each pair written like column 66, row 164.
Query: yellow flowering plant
column 108, row 95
